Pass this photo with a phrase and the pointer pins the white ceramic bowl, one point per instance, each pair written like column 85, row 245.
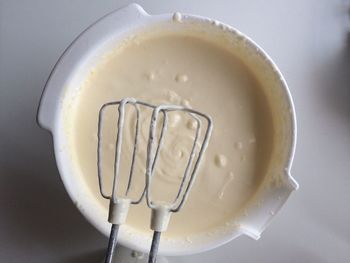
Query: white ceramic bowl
column 100, row 37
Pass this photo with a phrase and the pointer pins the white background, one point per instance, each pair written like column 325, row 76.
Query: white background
column 309, row 41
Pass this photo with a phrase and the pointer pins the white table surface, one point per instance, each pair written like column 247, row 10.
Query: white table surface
column 310, row 42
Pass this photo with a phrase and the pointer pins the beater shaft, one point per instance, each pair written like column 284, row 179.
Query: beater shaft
column 154, row 247
column 112, row 243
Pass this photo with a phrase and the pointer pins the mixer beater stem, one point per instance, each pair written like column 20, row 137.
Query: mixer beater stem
column 112, row 243
column 154, row 247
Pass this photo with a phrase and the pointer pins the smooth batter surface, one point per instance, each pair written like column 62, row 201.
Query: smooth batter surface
column 188, row 70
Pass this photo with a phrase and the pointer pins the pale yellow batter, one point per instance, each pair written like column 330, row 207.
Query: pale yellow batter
column 190, row 70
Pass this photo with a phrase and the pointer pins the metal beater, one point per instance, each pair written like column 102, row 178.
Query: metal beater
column 161, row 211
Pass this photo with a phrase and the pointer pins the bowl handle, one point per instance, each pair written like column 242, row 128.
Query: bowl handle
column 50, row 101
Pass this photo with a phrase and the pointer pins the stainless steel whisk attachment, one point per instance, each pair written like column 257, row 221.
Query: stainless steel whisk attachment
column 161, row 211
column 118, row 206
